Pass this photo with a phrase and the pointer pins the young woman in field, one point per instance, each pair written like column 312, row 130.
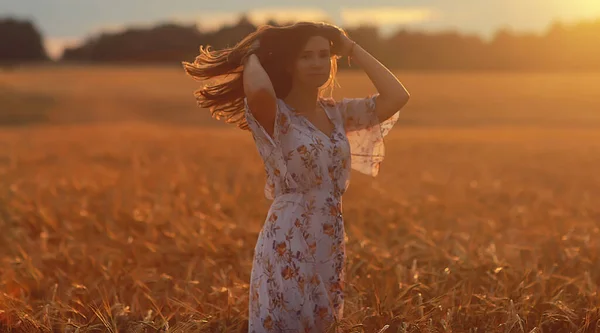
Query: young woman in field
column 308, row 143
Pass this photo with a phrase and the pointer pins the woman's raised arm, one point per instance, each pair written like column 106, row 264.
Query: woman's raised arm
column 260, row 93
column 392, row 94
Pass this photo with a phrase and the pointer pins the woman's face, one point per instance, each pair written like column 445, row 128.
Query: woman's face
column 313, row 65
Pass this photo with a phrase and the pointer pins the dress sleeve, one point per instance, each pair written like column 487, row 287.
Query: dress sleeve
column 269, row 147
column 365, row 132
column 265, row 142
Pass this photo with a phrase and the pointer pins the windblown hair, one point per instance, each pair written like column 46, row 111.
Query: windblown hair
column 223, row 94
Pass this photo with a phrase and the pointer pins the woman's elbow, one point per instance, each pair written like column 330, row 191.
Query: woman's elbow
column 401, row 98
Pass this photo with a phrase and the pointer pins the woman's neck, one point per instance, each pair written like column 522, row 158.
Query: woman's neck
column 303, row 100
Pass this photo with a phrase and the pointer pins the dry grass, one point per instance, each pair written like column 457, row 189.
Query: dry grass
column 114, row 224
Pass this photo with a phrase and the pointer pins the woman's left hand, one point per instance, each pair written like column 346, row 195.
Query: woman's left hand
column 346, row 44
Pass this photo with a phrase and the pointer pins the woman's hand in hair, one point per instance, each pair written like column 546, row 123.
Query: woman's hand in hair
column 253, row 49
column 346, row 44
column 255, row 46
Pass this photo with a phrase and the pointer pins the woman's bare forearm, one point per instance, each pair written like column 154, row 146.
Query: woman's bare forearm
column 392, row 94
column 256, row 78
column 260, row 93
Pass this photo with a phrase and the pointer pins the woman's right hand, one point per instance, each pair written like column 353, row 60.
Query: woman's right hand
column 252, row 50
column 255, row 46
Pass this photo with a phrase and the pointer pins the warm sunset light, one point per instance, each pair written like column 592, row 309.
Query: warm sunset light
column 385, row 15
column 580, row 8
column 383, row 166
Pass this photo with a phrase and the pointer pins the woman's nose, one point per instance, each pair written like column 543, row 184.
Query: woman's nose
column 315, row 63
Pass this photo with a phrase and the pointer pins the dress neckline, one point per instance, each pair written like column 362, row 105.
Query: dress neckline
column 313, row 126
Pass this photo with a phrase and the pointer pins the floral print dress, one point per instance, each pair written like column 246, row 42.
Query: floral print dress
column 298, row 273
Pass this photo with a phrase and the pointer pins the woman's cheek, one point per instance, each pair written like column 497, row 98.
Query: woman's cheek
column 302, row 68
column 302, row 65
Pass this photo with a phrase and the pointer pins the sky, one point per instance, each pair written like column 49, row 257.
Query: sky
column 68, row 22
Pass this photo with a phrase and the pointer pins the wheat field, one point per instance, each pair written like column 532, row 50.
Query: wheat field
column 125, row 208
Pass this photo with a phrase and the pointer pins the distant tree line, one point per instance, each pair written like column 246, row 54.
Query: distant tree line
column 20, row 42
column 561, row 47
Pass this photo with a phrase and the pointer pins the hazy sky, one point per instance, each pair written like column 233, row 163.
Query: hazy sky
column 64, row 22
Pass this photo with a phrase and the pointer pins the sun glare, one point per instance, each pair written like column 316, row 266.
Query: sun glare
column 576, row 10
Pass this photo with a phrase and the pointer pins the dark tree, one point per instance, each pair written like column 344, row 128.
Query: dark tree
column 21, row 42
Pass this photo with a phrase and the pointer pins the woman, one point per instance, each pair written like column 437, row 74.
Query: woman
column 308, row 143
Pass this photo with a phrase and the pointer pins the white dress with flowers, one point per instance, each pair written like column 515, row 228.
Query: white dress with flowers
column 298, row 274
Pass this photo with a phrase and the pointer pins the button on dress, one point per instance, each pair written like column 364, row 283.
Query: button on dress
column 298, row 273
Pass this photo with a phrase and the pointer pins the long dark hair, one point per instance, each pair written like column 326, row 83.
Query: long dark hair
column 223, row 92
